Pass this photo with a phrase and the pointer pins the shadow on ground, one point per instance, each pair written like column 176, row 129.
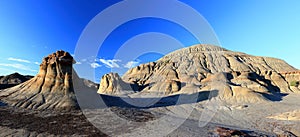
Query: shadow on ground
column 2, row 104
column 274, row 96
column 103, row 101
column 4, row 86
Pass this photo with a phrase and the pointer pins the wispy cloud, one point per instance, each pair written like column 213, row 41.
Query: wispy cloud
column 78, row 63
column 131, row 64
column 22, row 60
column 18, row 60
column 110, row 63
column 88, row 60
column 95, row 65
column 18, row 66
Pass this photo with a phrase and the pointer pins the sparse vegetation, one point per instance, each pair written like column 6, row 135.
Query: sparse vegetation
column 294, row 83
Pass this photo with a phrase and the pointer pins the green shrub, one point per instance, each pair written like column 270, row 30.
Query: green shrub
column 294, row 83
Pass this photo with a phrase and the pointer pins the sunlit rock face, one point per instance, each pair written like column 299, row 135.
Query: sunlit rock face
column 200, row 68
column 51, row 88
column 113, row 84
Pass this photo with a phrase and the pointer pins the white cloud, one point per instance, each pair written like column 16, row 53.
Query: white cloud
column 18, row 66
column 131, row 64
column 95, row 65
column 78, row 63
column 22, row 61
column 19, row 60
column 89, row 59
column 110, row 63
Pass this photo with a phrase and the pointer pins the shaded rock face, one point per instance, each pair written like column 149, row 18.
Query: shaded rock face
column 12, row 80
column 205, row 67
column 51, row 88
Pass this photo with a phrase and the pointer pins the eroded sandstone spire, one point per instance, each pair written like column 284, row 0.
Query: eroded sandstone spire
column 51, row 88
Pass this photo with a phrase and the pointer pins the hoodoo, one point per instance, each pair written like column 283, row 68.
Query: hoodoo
column 51, row 88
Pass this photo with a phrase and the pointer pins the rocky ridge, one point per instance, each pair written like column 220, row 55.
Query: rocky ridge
column 13, row 80
column 203, row 67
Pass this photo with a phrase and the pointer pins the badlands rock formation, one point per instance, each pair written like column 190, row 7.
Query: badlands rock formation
column 292, row 77
column 237, row 76
column 51, row 88
column 113, row 84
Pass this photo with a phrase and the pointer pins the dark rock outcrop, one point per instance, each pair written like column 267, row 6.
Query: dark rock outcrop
column 13, row 80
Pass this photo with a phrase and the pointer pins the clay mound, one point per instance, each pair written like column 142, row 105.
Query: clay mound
column 202, row 67
column 51, row 88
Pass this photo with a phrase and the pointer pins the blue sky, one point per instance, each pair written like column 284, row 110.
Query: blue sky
column 32, row 29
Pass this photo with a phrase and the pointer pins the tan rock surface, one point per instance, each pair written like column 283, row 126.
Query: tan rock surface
column 198, row 67
column 113, row 84
column 290, row 77
column 51, row 88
